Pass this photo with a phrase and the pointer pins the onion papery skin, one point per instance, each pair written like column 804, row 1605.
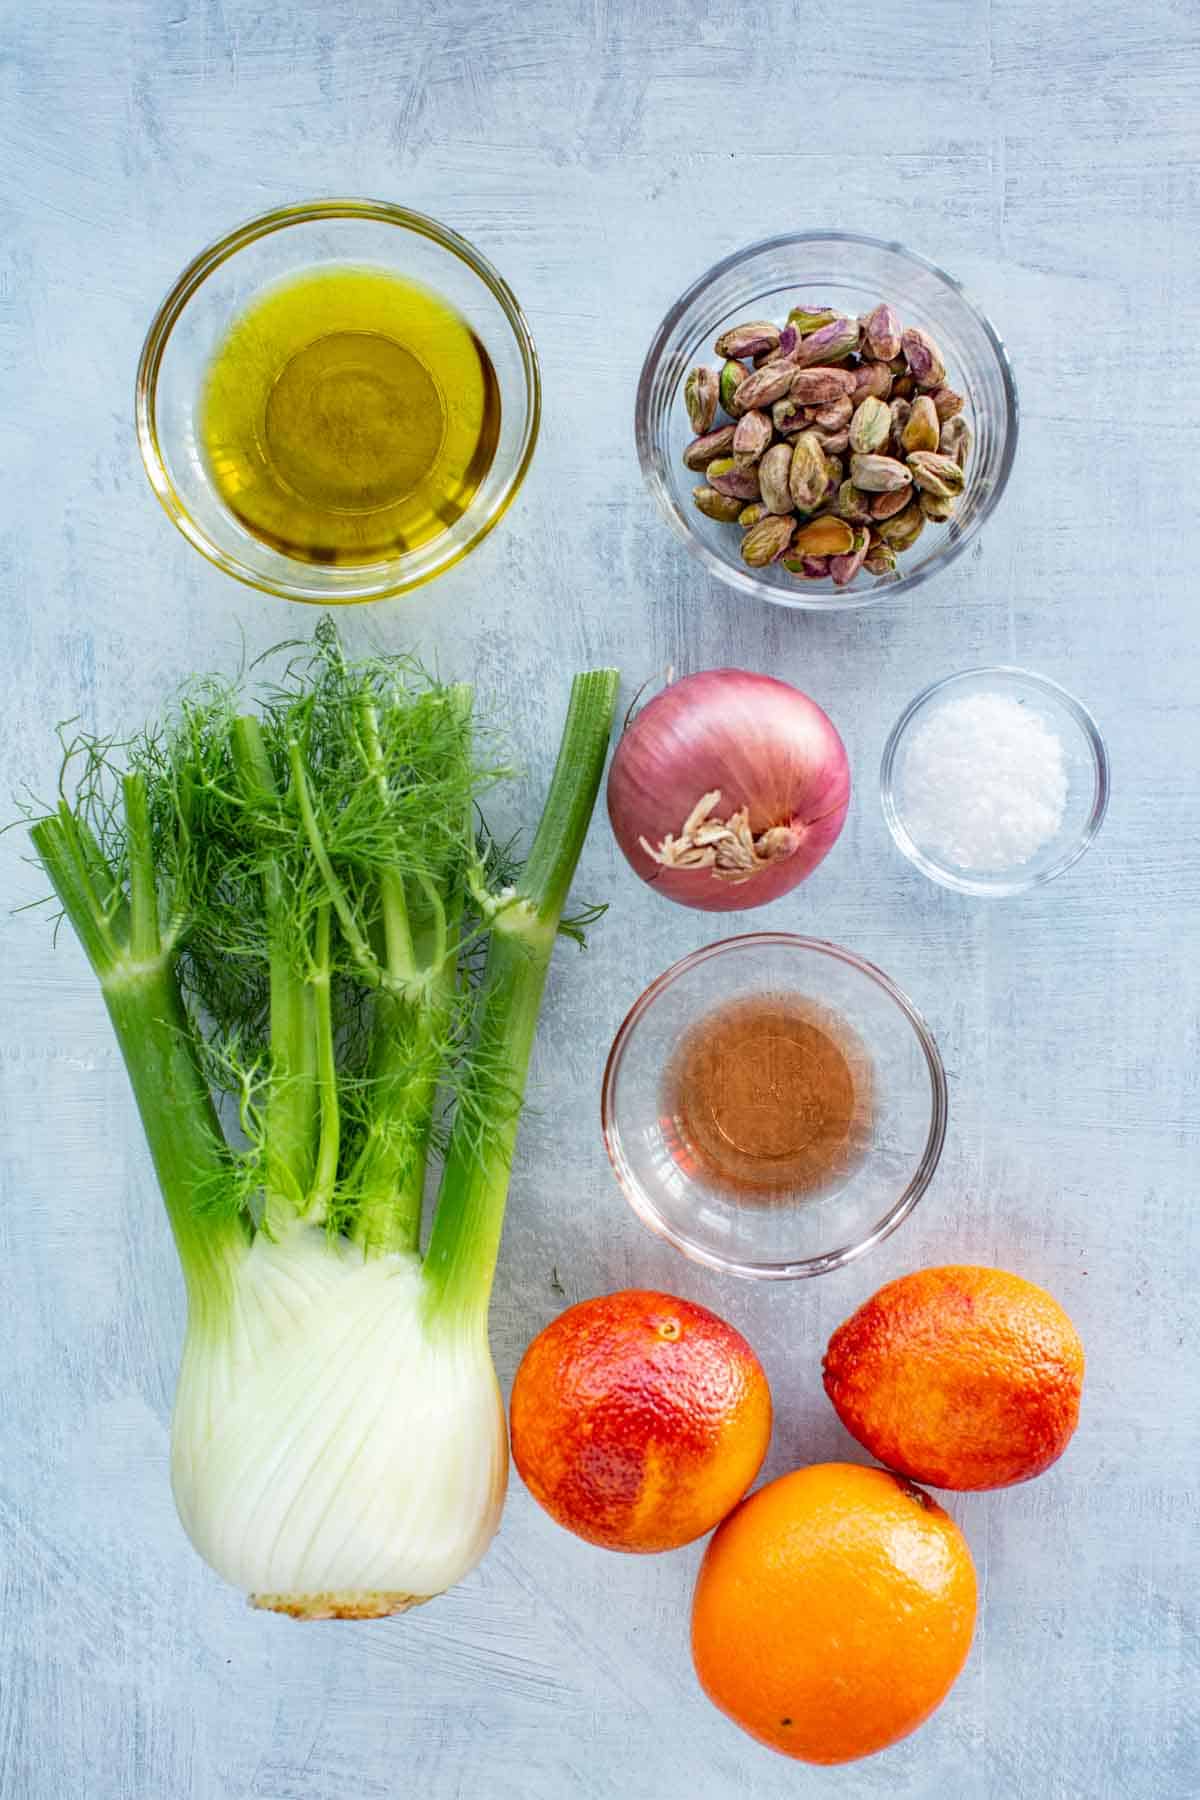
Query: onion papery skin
column 759, row 741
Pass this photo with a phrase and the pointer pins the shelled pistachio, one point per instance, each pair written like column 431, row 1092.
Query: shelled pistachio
column 902, row 531
column 766, row 541
column 936, row 474
column 729, row 476
column 808, row 476
column 937, row 507
column 730, row 379
column 705, row 449
column 701, row 391
column 871, row 427
column 922, row 428
column 955, row 440
column 774, row 470
column 725, row 507
column 845, row 567
column 753, row 433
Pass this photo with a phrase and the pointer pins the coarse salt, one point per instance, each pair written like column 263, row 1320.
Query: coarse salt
column 984, row 782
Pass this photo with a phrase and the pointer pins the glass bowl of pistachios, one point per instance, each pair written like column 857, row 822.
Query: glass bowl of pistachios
column 826, row 420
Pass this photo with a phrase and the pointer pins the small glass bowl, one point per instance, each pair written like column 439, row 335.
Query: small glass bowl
column 229, row 276
column 785, row 1236
column 1087, row 775
column 852, row 274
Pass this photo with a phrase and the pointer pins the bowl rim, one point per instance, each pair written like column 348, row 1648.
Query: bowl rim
column 374, row 583
column 795, row 1268
column 744, row 580
column 1006, row 675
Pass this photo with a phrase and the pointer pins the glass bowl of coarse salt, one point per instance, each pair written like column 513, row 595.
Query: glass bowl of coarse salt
column 994, row 781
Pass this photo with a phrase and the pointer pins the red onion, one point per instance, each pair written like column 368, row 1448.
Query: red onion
column 728, row 789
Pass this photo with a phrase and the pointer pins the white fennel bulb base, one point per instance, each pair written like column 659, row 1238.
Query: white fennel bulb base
column 336, row 1450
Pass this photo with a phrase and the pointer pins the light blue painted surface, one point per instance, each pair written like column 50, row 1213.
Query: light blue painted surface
column 602, row 154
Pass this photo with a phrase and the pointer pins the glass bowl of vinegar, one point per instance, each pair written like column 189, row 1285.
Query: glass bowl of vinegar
column 337, row 401
column 774, row 1106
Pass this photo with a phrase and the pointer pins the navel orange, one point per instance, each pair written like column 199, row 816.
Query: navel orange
column 638, row 1420
column 833, row 1612
column 962, row 1377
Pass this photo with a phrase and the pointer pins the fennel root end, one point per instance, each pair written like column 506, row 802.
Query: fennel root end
column 353, row 1603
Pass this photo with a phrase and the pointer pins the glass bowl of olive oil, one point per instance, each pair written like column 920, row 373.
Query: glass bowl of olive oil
column 338, row 400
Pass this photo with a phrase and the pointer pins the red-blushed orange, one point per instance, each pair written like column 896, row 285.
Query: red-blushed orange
column 962, row 1377
column 639, row 1419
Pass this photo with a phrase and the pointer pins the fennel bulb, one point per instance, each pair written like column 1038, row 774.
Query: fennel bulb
column 329, row 1451
column 319, row 978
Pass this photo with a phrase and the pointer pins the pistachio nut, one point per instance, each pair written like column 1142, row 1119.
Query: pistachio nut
column 807, row 320
column 767, row 541
column 730, row 476
column 766, row 384
column 825, row 536
column 900, row 410
column 789, row 414
column 938, row 507
column 773, row 470
column 751, row 514
column 934, row 473
column 818, row 387
column 830, row 343
column 923, row 357
column 955, row 440
column 921, row 429
column 845, row 567
column 785, row 349
column 809, row 568
column 750, row 339
column 903, row 531
column 833, row 442
column 724, row 507
column 880, row 559
column 752, row 434
column 877, row 474
column 834, row 417
column 947, row 403
column 871, row 426
column 904, row 387
column 881, row 333
column 703, row 450
column 853, row 505
column 807, row 476
column 835, row 470
column 732, row 376
column 872, row 378
column 886, row 506
column 700, row 395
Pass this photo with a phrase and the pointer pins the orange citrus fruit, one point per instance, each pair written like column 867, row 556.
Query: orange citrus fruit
column 638, row 1420
column 833, row 1612
column 961, row 1377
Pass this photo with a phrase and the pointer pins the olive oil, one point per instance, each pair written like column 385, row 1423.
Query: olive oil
column 348, row 416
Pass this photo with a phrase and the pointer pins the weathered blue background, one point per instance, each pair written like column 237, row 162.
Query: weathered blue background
column 603, row 153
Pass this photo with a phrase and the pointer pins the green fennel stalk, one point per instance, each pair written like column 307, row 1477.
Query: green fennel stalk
column 319, row 976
